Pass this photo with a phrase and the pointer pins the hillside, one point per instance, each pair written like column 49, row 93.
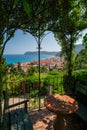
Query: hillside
column 42, row 52
column 78, row 48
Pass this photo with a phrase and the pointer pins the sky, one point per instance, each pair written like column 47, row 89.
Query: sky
column 22, row 43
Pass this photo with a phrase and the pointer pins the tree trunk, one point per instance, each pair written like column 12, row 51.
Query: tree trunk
column 69, row 65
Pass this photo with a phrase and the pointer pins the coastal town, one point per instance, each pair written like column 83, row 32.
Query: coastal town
column 54, row 62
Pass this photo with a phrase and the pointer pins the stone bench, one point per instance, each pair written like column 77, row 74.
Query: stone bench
column 81, row 97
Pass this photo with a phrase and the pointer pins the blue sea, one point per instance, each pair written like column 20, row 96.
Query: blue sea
column 12, row 59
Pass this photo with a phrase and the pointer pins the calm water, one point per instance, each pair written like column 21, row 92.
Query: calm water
column 12, row 59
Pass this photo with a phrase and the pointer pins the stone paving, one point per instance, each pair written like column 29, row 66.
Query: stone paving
column 43, row 120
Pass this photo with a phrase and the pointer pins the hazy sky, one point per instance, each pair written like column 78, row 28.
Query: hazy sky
column 21, row 43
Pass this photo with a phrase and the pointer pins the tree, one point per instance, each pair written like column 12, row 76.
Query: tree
column 82, row 56
column 85, row 41
column 80, row 60
column 10, row 14
column 20, row 15
column 31, row 70
column 3, row 70
column 41, row 12
column 68, row 28
column 4, row 37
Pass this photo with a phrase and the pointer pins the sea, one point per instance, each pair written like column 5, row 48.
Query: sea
column 13, row 59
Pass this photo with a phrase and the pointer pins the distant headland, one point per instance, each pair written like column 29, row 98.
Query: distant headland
column 42, row 52
column 78, row 48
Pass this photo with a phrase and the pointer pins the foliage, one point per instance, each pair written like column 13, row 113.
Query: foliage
column 69, row 25
column 9, row 22
column 43, row 69
column 85, row 41
column 80, row 60
column 81, row 76
column 78, row 76
column 69, row 84
column 31, row 71
column 21, row 15
column 55, row 73
column 54, row 79
column 3, row 70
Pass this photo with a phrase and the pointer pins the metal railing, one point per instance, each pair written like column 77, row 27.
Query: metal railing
column 18, row 91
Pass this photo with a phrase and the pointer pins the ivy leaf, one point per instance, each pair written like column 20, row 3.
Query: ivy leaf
column 26, row 7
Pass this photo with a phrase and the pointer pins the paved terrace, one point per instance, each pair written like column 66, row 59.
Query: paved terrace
column 43, row 120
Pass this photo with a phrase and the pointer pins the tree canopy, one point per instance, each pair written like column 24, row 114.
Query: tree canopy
column 70, row 23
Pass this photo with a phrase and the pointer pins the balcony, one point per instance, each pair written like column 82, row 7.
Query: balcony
column 40, row 117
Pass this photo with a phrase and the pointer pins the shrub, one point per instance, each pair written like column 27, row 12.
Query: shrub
column 80, row 76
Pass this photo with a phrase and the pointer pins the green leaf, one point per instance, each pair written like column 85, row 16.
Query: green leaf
column 15, row 2
column 26, row 7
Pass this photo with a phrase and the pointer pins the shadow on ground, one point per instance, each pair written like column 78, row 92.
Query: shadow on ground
column 43, row 120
